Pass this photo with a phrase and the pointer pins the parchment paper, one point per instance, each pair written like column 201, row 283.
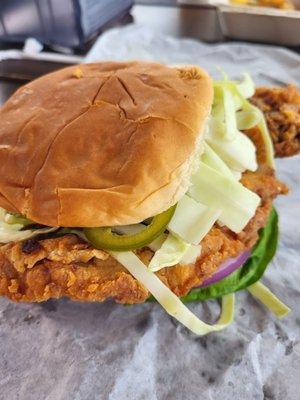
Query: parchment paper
column 62, row 350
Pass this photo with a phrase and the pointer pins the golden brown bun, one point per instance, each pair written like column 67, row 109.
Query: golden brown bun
column 101, row 144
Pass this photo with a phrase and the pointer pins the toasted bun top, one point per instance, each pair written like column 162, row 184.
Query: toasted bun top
column 101, row 144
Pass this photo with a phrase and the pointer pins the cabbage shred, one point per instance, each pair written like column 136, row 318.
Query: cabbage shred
column 14, row 232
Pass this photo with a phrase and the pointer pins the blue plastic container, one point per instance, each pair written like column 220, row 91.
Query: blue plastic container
column 67, row 23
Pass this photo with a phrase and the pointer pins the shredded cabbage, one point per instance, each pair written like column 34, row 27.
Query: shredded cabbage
column 265, row 296
column 192, row 220
column 158, row 242
column 232, row 113
column 259, row 118
column 169, row 301
column 246, row 87
column 228, row 117
column 251, row 116
column 173, row 251
column 237, row 203
column 170, row 253
column 267, row 140
column 191, row 254
column 236, row 174
column 211, row 158
column 239, row 154
column 247, row 119
column 247, row 114
column 229, row 114
column 13, row 233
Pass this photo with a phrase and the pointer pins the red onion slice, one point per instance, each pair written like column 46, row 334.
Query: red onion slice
column 226, row 268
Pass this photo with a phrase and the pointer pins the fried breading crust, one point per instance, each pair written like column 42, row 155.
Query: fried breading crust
column 37, row 270
column 281, row 107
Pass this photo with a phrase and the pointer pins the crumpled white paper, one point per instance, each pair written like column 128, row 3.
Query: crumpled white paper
column 62, row 350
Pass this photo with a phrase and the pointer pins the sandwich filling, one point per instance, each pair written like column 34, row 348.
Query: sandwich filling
column 229, row 199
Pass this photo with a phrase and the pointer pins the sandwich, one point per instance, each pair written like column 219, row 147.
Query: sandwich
column 139, row 182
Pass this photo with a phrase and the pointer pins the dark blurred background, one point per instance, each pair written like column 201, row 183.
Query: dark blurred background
column 73, row 25
column 62, row 24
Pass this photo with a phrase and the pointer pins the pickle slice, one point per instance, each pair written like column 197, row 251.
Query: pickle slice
column 105, row 238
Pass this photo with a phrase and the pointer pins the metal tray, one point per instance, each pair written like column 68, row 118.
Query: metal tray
column 260, row 24
column 30, row 63
column 256, row 24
